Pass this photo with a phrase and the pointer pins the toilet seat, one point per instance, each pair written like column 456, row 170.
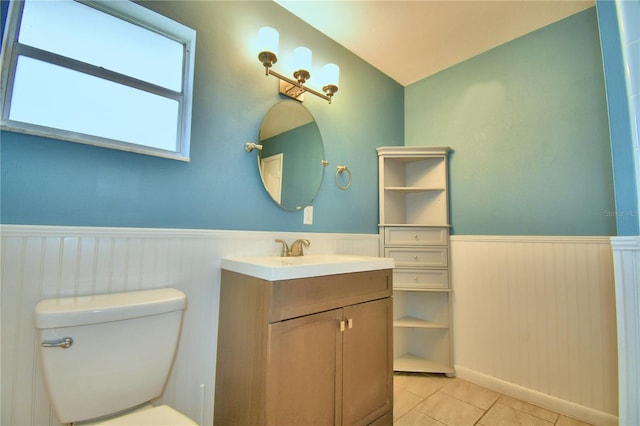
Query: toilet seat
column 162, row 415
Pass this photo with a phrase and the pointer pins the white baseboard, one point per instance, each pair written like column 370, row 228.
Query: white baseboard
column 557, row 405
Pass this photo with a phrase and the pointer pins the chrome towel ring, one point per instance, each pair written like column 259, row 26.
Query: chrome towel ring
column 338, row 172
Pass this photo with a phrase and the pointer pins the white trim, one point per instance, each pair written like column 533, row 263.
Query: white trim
column 134, row 14
column 88, row 231
column 404, row 151
column 625, row 243
column 558, row 405
column 626, row 260
column 141, row 16
column 532, row 239
column 63, row 135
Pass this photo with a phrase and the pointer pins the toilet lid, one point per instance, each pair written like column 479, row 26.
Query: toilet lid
column 162, row 415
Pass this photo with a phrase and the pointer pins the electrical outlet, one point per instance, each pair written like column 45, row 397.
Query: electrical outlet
column 308, row 215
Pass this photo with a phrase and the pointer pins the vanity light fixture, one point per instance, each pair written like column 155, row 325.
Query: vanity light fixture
column 268, row 39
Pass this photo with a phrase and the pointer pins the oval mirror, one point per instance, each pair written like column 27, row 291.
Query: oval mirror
column 291, row 159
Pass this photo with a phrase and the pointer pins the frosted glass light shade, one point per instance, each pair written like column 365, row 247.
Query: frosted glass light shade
column 302, row 58
column 268, row 40
column 331, row 74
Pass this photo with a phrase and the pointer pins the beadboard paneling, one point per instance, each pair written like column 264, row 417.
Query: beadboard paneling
column 626, row 260
column 533, row 316
column 536, row 317
column 40, row 262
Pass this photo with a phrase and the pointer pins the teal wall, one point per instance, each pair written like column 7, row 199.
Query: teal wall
column 52, row 182
column 527, row 122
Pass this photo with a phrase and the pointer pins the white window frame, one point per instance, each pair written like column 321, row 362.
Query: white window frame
column 130, row 12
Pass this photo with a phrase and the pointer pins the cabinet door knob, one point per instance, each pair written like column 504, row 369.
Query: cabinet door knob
column 350, row 323
column 341, row 325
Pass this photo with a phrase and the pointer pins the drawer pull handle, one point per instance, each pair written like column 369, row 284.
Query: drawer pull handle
column 416, row 258
column 341, row 325
column 415, row 236
column 415, row 279
column 350, row 323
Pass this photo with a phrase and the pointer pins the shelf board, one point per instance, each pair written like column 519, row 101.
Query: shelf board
column 417, row 323
column 412, row 189
column 415, row 225
column 435, row 290
column 413, row 153
column 411, row 362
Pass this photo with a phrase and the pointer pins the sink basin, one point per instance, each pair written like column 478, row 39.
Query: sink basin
column 275, row 268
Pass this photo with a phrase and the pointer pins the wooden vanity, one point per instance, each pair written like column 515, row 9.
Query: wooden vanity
column 310, row 350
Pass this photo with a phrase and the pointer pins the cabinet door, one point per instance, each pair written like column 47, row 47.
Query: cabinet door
column 303, row 366
column 367, row 362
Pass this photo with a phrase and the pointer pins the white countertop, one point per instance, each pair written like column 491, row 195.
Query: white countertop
column 274, row 268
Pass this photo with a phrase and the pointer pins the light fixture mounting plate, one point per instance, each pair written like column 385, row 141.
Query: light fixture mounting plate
column 291, row 91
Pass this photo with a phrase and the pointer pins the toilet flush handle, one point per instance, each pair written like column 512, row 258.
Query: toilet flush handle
column 63, row 343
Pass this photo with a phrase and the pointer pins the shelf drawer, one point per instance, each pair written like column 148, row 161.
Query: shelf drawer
column 416, row 236
column 420, row 278
column 418, row 257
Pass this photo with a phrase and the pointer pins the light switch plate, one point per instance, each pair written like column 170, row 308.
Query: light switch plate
column 308, row 215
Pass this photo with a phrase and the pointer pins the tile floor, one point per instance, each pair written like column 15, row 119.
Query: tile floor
column 436, row 400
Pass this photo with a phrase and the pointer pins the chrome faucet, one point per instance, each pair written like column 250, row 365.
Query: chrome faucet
column 296, row 248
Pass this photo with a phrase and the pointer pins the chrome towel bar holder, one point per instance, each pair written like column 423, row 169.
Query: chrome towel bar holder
column 339, row 171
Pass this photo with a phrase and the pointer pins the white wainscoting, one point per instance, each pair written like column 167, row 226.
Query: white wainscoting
column 40, row 262
column 626, row 260
column 535, row 318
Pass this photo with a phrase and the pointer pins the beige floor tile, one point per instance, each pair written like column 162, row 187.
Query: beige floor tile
column 449, row 410
column 501, row 415
column 471, row 393
column 403, row 401
column 415, row 418
column 399, row 382
column 422, row 399
column 567, row 421
column 528, row 408
column 422, row 385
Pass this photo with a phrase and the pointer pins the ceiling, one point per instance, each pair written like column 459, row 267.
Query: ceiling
column 411, row 40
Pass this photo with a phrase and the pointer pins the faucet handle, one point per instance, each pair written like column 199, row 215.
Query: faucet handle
column 296, row 247
column 284, row 251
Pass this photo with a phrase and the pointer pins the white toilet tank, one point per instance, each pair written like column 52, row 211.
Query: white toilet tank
column 123, row 348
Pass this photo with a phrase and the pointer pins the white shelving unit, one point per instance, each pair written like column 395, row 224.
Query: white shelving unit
column 414, row 231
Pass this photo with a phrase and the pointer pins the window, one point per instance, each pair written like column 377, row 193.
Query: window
column 106, row 73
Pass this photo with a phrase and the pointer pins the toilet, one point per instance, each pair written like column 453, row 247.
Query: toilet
column 105, row 357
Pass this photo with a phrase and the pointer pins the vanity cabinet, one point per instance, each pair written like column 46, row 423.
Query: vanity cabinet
column 312, row 351
column 414, row 231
